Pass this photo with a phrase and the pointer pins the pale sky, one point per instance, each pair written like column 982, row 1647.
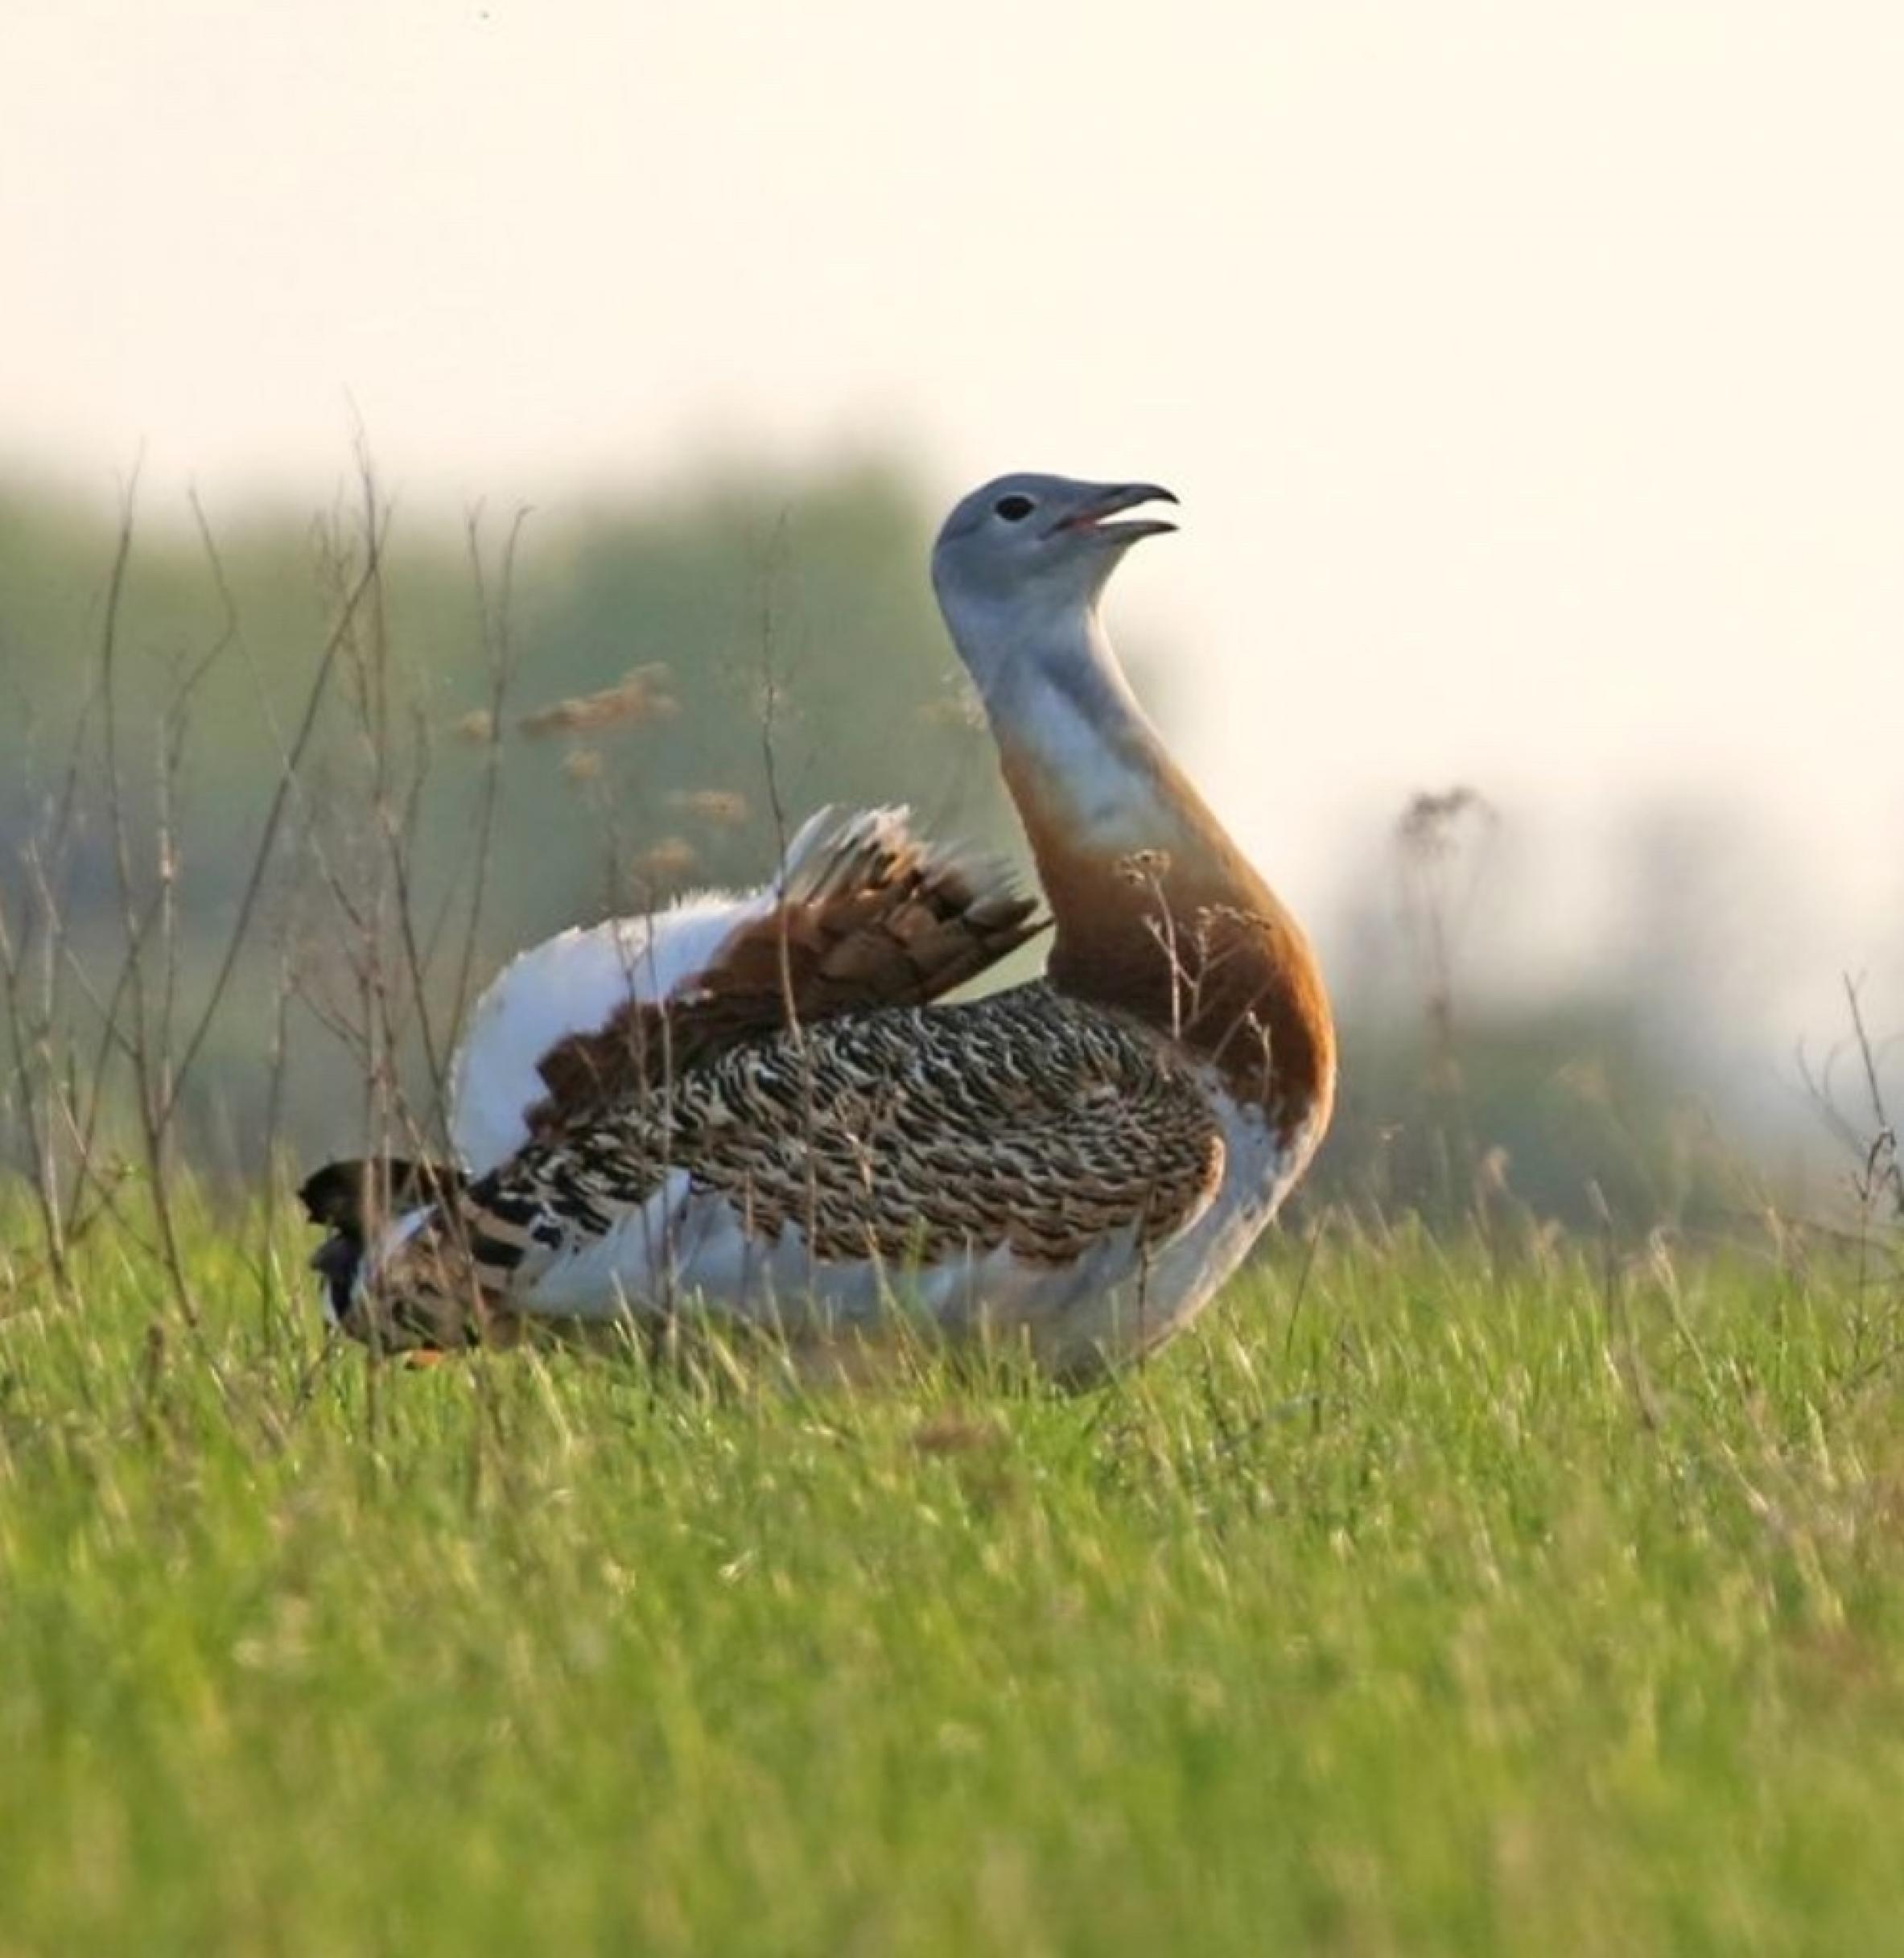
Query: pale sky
column 1533, row 375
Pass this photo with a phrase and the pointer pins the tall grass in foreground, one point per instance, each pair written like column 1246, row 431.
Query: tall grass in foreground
column 1422, row 1599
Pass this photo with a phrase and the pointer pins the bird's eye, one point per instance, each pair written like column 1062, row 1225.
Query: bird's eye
column 1014, row 510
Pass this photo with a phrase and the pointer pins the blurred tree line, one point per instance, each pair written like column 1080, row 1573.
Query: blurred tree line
column 811, row 590
column 622, row 702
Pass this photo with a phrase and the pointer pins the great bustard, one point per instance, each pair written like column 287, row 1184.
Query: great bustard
column 750, row 1107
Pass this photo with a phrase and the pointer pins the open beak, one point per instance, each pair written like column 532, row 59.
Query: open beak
column 1113, row 501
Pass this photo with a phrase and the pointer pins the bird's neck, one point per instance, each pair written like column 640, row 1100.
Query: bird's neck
column 1157, row 912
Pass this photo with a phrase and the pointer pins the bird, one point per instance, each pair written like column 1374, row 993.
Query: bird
column 761, row 1108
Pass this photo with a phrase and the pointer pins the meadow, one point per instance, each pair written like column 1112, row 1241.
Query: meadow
column 1465, row 1595
column 1512, row 1560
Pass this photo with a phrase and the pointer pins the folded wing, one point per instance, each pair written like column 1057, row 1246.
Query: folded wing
column 863, row 914
column 1004, row 1152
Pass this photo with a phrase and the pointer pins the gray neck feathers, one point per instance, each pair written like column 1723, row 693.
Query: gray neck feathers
column 1058, row 701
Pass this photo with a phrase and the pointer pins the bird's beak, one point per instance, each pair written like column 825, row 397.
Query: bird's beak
column 1109, row 503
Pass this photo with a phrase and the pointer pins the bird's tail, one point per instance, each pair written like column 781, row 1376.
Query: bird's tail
column 369, row 1209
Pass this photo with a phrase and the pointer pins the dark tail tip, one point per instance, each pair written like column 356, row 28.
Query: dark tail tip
column 346, row 1197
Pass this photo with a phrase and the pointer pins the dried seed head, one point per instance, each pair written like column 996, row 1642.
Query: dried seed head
column 723, row 808
column 639, row 697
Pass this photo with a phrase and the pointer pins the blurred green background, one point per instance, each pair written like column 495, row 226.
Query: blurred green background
column 785, row 651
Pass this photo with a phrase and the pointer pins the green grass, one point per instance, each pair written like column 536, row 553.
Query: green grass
column 1454, row 1613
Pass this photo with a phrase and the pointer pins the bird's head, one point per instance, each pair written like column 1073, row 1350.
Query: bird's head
column 1032, row 549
